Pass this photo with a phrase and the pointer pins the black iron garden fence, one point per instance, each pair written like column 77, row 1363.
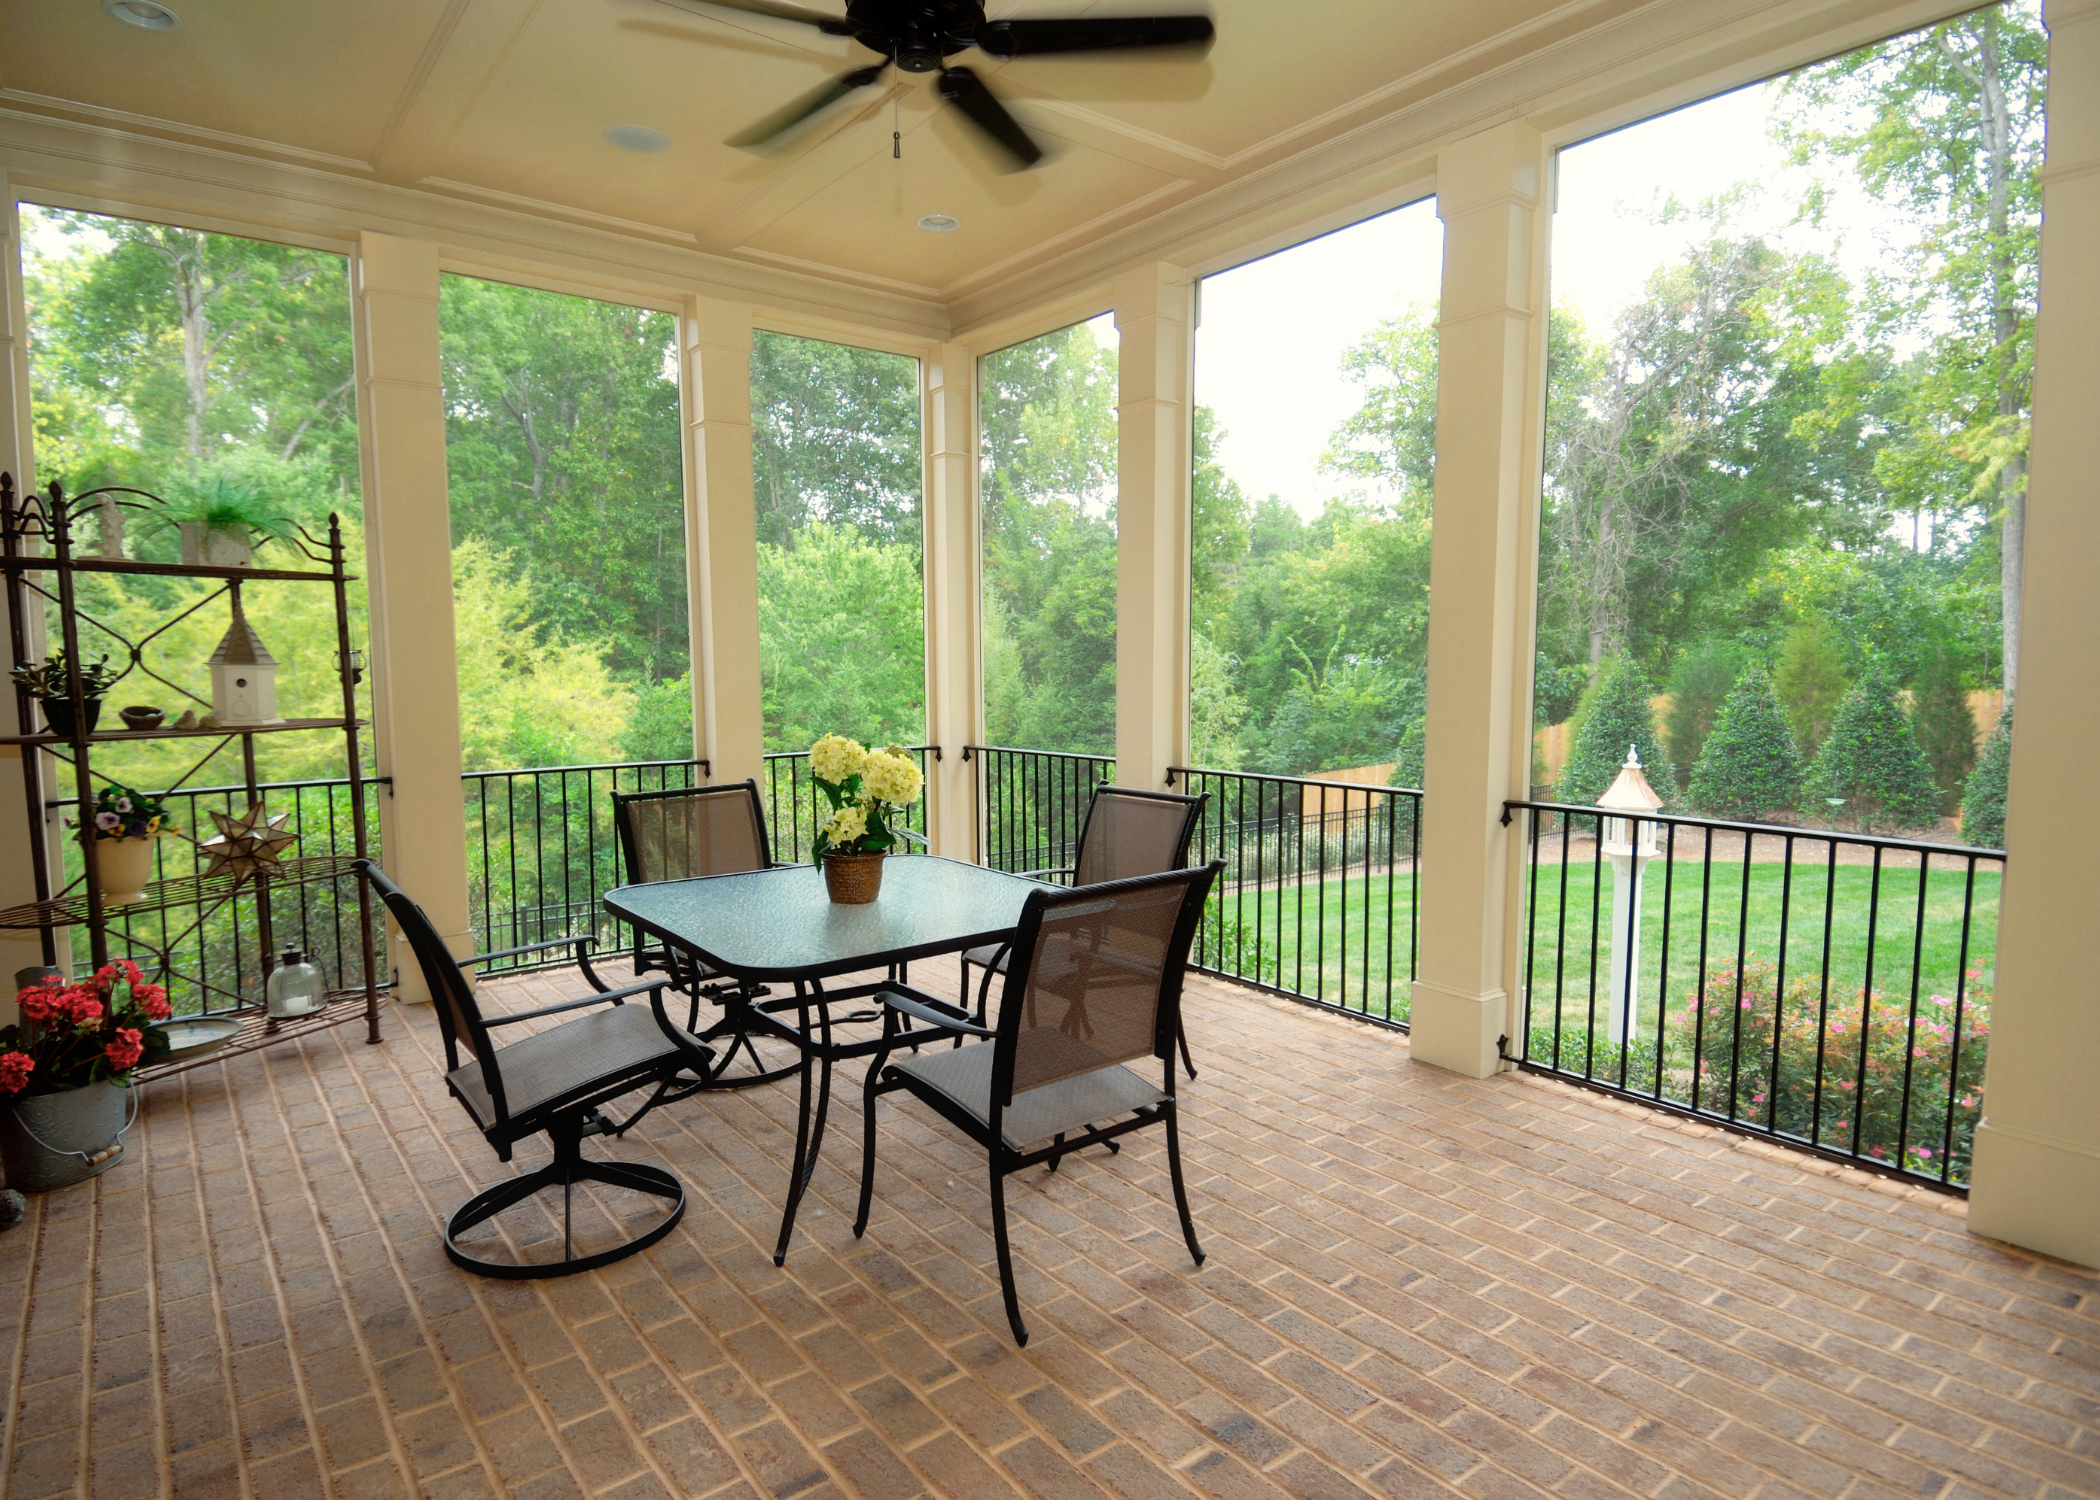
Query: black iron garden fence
column 796, row 807
column 1830, row 990
column 1318, row 899
column 205, row 965
column 1032, row 803
column 541, row 851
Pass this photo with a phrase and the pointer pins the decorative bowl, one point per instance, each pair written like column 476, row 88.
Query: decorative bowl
column 141, row 716
column 193, row 1036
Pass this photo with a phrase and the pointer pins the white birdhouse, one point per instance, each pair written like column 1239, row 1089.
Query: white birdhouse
column 1630, row 844
column 243, row 677
column 1630, row 793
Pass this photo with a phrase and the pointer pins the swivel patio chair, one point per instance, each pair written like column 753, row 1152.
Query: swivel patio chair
column 684, row 833
column 550, row 1083
column 1094, row 983
column 1127, row 832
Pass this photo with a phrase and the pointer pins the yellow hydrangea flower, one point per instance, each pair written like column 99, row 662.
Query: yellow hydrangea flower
column 834, row 758
column 891, row 778
column 847, row 824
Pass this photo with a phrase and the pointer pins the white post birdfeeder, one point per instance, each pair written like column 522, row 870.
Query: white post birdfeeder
column 1630, row 844
column 243, row 677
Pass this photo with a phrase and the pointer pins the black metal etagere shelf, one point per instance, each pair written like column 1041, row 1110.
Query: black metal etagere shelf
column 39, row 566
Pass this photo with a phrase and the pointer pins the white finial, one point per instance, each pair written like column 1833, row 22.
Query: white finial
column 1633, row 758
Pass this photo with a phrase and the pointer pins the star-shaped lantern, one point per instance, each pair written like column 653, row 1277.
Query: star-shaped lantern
column 249, row 846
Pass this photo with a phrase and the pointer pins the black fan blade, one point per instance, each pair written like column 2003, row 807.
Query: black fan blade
column 817, row 100
column 780, row 10
column 1006, row 39
column 966, row 91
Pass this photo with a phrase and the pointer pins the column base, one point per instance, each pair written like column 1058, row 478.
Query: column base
column 2038, row 1191
column 1456, row 1030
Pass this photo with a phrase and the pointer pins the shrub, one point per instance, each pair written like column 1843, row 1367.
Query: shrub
column 1410, row 769
column 1872, row 760
column 1751, row 769
column 1699, row 685
column 1945, row 727
column 1811, row 682
column 1983, row 802
column 1556, row 690
column 1615, row 716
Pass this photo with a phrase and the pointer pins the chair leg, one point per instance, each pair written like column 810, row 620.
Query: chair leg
column 1181, row 1035
column 1181, row 1193
column 868, row 1095
column 1006, row 1256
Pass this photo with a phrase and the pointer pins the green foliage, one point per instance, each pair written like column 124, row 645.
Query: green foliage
column 1391, row 437
column 1945, row 727
column 1750, row 769
column 1811, row 682
column 661, row 727
column 841, row 638
column 1872, row 761
column 1216, row 712
column 221, row 503
column 1615, row 715
column 1411, row 756
column 835, row 439
column 1557, row 690
column 1700, row 683
column 1983, row 801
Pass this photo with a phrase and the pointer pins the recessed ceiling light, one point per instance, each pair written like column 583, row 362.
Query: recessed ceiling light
column 144, row 14
column 940, row 223
column 637, row 138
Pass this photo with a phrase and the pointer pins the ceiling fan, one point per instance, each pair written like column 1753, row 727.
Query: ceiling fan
column 919, row 36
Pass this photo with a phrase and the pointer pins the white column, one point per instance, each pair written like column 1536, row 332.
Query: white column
column 954, row 595
column 1491, row 362
column 1154, row 313
column 408, row 562
column 721, row 539
column 2036, row 1174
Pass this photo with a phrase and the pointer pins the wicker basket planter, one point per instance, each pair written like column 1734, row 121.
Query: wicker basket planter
column 853, row 879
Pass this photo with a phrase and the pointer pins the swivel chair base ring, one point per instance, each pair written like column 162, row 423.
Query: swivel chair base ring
column 567, row 1169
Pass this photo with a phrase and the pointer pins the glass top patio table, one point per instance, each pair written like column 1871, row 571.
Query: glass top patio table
column 779, row 926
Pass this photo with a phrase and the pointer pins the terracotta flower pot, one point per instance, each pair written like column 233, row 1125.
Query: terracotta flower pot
column 125, row 866
column 853, row 879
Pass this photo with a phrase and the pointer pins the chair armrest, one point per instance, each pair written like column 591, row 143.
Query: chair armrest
column 1054, row 870
column 578, row 1004
column 929, row 1011
column 560, row 942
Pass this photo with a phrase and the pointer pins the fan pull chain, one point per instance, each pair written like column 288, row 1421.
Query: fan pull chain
column 896, row 127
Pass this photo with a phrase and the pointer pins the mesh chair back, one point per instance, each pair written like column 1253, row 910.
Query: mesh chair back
column 1130, row 833
column 459, row 1016
column 692, row 831
column 1096, row 978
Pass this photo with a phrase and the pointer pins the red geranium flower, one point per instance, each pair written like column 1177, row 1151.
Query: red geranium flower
column 123, row 1053
column 15, row 1068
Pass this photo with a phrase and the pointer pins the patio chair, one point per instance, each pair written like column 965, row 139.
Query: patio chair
column 551, row 1083
column 683, row 833
column 1095, row 983
column 1127, row 832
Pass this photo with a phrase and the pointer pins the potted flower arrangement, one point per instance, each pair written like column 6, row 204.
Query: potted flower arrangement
column 126, row 825
column 48, row 684
column 866, row 789
column 66, row 1070
column 220, row 523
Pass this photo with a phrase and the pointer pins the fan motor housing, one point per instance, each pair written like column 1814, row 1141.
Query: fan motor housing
column 919, row 34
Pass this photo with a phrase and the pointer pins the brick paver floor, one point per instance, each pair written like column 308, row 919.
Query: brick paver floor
column 1418, row 1285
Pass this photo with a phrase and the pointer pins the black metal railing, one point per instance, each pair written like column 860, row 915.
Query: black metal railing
column 205, row 967
column 542, row 853
column 1318, row 899
column 1826, row 989
column 796, row 807
column 1031, row 804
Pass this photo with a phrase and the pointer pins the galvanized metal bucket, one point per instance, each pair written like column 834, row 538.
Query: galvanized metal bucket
column 55, row 1140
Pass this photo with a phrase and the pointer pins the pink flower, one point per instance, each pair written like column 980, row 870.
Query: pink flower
column 123, row 1053
column 152, row 999
column 40, row 1003
column 15, row 1068
column 106, row 821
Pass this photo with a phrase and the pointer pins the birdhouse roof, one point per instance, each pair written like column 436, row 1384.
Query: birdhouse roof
column 241, row 646
column 1631, row 792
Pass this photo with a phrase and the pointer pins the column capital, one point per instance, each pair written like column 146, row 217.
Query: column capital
column 1504, row 165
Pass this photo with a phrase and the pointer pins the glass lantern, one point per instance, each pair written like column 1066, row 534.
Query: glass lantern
column 294, row 987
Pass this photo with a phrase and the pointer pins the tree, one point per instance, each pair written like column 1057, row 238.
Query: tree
column 1749, row 769
column 1811, row 682
column 835, row 438
column 1945, row 727
column 1614, row 717
column 1948, row 122
column 1700, row 683
column 1216, row 712
column 1871, row 764
column 1391, row 436
column 841, row 639
column 1983, row 800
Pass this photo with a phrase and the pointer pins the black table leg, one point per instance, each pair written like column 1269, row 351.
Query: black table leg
column 809, row 1128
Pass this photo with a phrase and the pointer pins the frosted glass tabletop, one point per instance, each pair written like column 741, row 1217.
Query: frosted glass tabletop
column 779, row 924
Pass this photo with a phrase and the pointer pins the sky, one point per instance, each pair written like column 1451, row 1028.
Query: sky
column 1272, row 335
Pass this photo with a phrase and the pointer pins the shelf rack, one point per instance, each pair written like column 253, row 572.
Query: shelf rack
column 39, row 567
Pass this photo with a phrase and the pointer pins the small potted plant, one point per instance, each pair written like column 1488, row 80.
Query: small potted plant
column 867, row 789
column 48, row 684
column 127, row 823
column 66, row 1070
column 220, row 523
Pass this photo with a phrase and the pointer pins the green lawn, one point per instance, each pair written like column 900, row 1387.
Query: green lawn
column 1345, row 940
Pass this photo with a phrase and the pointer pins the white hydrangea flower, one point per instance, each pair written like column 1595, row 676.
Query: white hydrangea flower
column 834, row 758
column 891, row 778
column 847, row 824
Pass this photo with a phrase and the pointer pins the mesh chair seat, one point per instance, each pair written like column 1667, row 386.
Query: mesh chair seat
column 584, row 1054
column 964, row 1076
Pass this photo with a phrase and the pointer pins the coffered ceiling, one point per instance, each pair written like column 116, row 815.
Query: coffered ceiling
column 504, row 104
